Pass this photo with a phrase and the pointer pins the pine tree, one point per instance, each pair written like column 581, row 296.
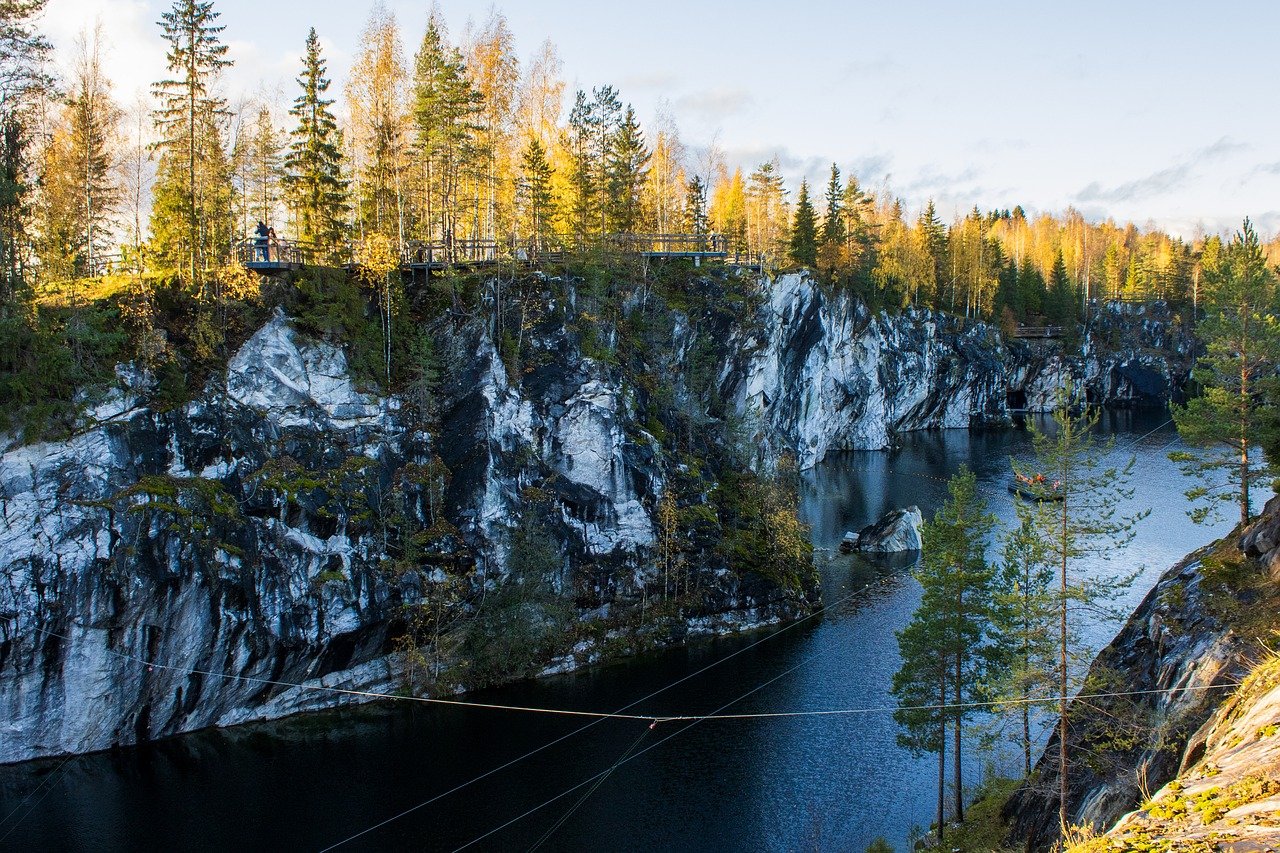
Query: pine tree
column 1025, row 624
column 81, row 192
column 861, row 231
column 593, row 126
column 766, row 212
column 921, row 688
column 1083, row 522
column 627, row 166
column 315, row 189
column 192, row 177
column 946, row 643
column 804, row 230
column 1237, row 374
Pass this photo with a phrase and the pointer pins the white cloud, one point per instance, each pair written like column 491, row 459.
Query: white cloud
column 134, row 52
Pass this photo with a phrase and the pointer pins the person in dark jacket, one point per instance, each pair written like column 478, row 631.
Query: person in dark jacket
column 260, row 242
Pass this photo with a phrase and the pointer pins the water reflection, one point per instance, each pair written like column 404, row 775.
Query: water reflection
column 828, row 783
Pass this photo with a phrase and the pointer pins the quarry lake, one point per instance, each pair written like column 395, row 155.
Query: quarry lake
column 782, row 783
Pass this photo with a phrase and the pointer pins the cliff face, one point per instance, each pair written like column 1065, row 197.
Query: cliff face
column 819, row 372
column 290, row 527
column 1200, row 627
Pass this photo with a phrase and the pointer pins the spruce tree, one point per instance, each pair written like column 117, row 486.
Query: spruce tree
column 833, row 227
column 1232, row 416
column 694, row 215
column 804, row 230
column 192, row 205
column 445, row 112
column 315, row 189
column 535, row 193
column 935, row 239
column 1061, row 301
column 626, row 168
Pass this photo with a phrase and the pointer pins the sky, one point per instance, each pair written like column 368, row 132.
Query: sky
column 1160, row 113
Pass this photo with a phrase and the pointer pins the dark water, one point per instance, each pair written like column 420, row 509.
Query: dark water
column 791, row 783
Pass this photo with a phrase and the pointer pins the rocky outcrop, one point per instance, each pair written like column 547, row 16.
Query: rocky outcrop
column 162, row 572
column 818, row 372
column 898, row 530
column 1196, row 631
column 1227, row 794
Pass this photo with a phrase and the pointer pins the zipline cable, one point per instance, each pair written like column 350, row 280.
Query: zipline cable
column 693, row 721
column 587, row 795
column 577, row 731
column 48, row 780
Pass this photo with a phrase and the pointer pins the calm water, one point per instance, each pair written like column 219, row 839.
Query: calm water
column 815, row 783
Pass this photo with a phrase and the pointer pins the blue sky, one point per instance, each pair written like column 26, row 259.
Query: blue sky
column 1160, row 112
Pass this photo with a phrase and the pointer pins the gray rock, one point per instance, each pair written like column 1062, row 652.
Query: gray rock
column 898, row 530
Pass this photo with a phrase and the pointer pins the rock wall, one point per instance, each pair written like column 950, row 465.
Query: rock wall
column 247, row 533
column 819, row 372
column 1196, row 629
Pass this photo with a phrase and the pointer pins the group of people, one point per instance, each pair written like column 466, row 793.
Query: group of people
column 266, row 247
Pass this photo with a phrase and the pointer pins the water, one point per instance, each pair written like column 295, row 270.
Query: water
column 812, row 783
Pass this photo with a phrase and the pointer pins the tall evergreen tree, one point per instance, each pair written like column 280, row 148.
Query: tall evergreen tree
column 1060, row 303
column 804, row 230
column 694, row 219
column 833, row 225
column 766, row 212
column 24, row 52
column 315, row 189
column 1026, row 627
column 445, row 116
column 626, row 168
column 934, row 235
column 1237, row 374
column 945, row 644
column 263, row 192
column 593, row 125
column 191, row 186
column 535, row 193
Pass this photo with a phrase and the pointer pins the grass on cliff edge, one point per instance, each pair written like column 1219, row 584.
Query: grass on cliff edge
column 983, row 830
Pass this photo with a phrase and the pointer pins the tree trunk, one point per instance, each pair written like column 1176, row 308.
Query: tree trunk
column 942, row 759
column 1244, row 443
column 1062, row 673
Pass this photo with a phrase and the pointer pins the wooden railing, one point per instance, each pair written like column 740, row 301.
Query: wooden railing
column 266, row 254
column 1041, row 332
column 260, row 252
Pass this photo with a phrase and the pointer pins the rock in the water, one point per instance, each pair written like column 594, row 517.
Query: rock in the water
column 897, row 530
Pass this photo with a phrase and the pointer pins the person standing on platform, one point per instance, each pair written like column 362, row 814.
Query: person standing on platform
column 260, row 241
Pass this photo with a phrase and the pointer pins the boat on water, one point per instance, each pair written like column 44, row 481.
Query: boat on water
column 1036, row 488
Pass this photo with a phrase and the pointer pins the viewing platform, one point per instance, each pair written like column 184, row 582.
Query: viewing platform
column 1038, row 333
column 274, row 256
